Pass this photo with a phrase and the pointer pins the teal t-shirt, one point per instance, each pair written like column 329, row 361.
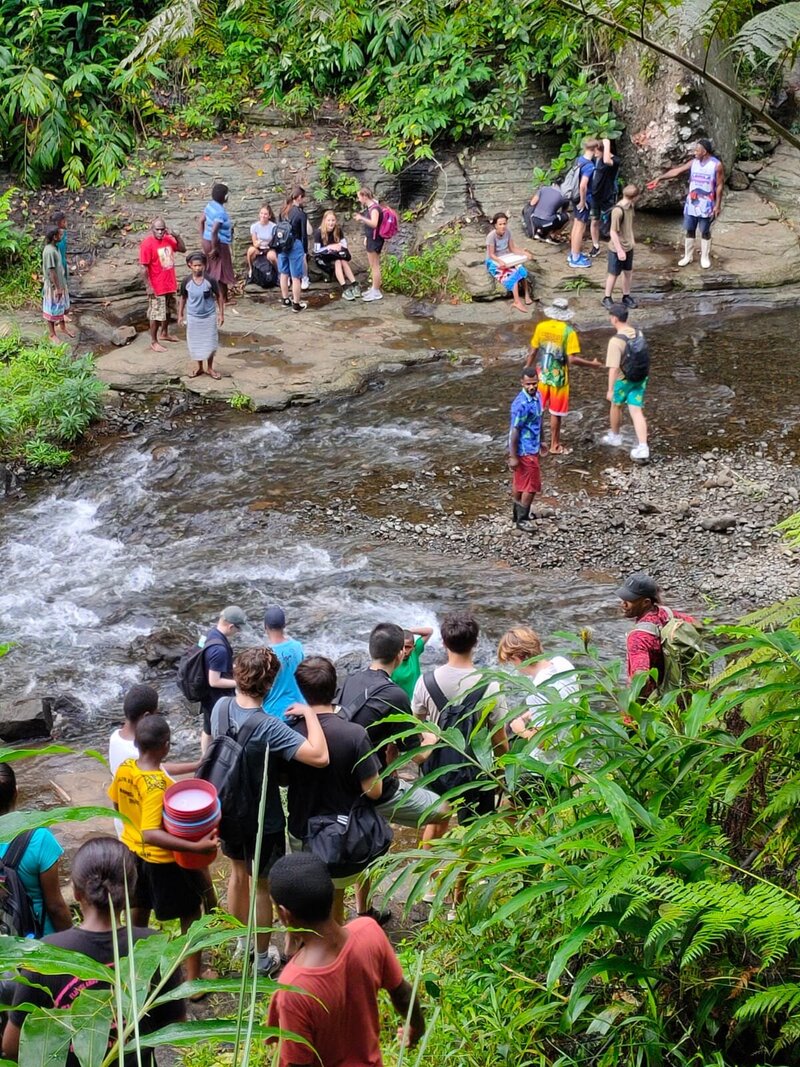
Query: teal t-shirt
column 284, row 691
column 407, row 674
column 42, row 852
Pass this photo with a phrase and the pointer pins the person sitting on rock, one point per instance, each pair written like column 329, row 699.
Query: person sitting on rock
column 546, row 215
column 503, row 263
column 332, row 255
column 260, row 236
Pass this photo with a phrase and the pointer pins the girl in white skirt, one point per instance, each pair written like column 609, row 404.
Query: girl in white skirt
column 203, row 311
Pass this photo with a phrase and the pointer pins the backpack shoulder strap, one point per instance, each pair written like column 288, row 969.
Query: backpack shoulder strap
column 669, row 612
column 353, row 708
column 651, row 628
column 472, row 699
column 435, row 690
column 16, row 850
column 225, row 718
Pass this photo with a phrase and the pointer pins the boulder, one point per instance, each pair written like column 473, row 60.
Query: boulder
column 738, row 180
column 123, row 335
column 665, row 109
column 351, row 662
column 161, row 648
column 719, row 523
column 30, row 717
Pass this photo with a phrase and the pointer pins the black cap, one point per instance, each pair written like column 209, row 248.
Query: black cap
column 637, row 586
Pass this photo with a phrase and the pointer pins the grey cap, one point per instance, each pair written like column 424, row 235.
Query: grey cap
column 637, row 586
column 233, row 615
column 560, row 310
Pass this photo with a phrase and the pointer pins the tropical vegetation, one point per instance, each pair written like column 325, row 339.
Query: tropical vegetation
column 81, row 82
column 47, row 401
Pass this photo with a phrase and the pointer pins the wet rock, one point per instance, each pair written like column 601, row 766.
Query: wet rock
column 647, row 507
column 351, row 662
column 26, row 718
column 161, row 648
column 739, row 180
column 123, row 335
column 719, row 481
column 719, row 523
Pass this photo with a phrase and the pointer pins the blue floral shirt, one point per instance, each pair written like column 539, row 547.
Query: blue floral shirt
column 526, row 416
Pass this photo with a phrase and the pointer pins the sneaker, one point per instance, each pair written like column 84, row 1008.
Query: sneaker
column 611, row 438
column 372, row 294
column 640, row 452
column 348, row 293
column 629, row 302
column 300, row 307
column 286, row 302
column 607, row 303
column 305, row 282
column 595, row 251
column 355, row 289
column 268, row 962
column 537, row 236
column 578, row 261
column 551, row 240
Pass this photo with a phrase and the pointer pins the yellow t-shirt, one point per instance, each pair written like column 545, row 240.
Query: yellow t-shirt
column 140, row 795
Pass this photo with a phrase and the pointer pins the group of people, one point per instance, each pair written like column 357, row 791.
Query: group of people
column 278, row 249
column 333, row 743
column 591, row 191
column 545, row 387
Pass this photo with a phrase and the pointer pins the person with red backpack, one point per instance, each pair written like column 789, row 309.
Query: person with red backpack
column 649, row 644
column 380, row 223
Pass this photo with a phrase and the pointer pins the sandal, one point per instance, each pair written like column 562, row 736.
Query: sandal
column 196, row 373
column 215, row 374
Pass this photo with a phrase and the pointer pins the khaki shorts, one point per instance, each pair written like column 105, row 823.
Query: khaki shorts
column 160, row 308
column 412, row 806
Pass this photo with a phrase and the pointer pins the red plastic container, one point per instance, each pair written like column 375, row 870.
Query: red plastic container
column 191, row 800
column 194, row 860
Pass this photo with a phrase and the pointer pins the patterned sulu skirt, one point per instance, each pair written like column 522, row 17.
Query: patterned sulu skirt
column 507, row 276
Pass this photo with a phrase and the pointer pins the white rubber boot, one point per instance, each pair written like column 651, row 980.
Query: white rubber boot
column 705, row 253
column 688, row 252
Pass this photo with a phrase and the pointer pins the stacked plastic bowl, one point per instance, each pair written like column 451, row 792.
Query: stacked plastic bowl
column 192, row 810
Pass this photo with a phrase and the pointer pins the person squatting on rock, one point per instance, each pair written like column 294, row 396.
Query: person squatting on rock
column 546, row 214
column 554, row 348
column 703, row 201
column 525, row 446
column 620, row 255
column 512, row 276
column 157, row 259
column 203, row 311
column 621, row 389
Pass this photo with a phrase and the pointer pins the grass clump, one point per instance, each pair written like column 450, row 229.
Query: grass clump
column 427, row 274
column 47, row 400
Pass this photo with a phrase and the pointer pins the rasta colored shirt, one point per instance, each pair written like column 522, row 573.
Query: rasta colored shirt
column 526, row 417
column 554, row 342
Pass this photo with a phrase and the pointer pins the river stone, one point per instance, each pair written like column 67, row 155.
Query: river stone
column 161, row 648
column 738, row 180
column 30, row 717
column 665, row 109
column 123, row 335
column 719, row 523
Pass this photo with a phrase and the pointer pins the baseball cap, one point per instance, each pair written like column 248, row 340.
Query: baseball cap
column 636, row 586
column 233, row 615
column 275, row 619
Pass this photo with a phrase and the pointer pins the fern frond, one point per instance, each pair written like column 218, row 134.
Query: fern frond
column 782, row 999
column 786, row 613
column 771, row 37
column 179, row 20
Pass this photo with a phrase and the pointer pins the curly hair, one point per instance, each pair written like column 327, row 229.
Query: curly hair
column 254, row 671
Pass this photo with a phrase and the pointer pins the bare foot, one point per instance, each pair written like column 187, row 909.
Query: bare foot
column 156, row 347
column 521, row 307
column 68, row 333
column 166, row 337
column 560, row 450
column 215, row 374
column 196, row 373
column 528, row 301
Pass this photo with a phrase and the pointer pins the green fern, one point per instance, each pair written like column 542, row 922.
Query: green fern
column 770, row 38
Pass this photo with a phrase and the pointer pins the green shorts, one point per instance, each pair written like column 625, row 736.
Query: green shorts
column 630, row 393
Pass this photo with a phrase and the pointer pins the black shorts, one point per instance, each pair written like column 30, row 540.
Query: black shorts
column 171, row 891
column 616, row 265
column 374, row 243
column 273, row 847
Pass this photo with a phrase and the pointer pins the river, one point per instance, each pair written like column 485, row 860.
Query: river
column 163, row 530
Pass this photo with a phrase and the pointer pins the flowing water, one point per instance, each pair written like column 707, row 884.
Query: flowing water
column 154, row 531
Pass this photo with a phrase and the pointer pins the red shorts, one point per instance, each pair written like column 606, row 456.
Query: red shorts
column 527, row 476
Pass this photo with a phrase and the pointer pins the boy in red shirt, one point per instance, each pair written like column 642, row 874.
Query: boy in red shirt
column 341, row 967
column 641, row 602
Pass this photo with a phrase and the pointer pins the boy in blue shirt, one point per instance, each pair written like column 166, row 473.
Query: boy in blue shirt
column 284, row 691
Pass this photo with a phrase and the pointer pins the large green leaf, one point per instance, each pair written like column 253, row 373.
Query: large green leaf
column 44, row 1041
column 90, row 1018
column 17, row 822
column 43, row 958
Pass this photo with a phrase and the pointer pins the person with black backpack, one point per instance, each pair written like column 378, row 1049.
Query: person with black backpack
column 451, row 695
column 628, row 362
column 242, row 732
column 290, row 241
column 205, row 672
column 31, row 902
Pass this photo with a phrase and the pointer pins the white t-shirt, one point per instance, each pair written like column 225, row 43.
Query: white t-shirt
column 556, row 681
column 119, row 749
column 453, row 682
column 263, row 233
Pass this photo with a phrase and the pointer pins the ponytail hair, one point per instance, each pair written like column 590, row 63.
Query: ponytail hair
column 100, row 870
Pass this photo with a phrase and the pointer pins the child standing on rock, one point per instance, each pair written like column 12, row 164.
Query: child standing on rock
column 203, row 310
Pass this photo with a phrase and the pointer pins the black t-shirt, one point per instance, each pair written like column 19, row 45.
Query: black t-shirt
column 219, row 657
column 60, row 990
column 604, row 183
column 386, row 698
column 299, row 220
column 334, row 789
